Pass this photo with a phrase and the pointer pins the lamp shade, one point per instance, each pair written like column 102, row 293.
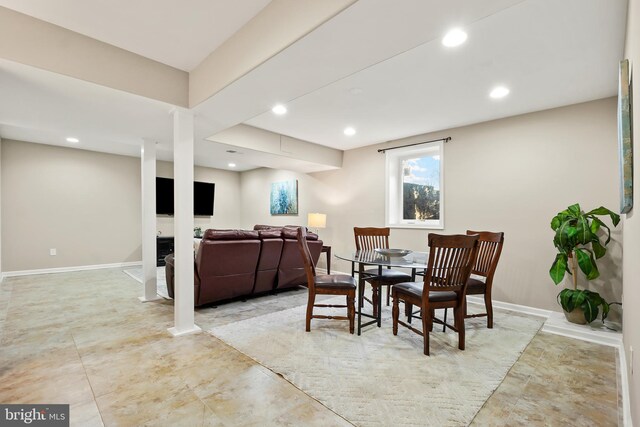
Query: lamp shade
column 317, row 220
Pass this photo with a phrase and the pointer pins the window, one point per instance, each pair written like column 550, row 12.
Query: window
column 414, row 187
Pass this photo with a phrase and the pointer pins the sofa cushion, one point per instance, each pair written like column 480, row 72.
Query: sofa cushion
column 291, row 232
column 230, row 235
column 288, row 231
column 270, row 233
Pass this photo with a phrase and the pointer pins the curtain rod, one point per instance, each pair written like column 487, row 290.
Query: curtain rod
column 447, row 139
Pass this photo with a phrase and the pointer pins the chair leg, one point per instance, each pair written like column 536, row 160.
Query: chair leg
column 361, row 290
column 489, row 307
column 427, row 324
column 459, row 313
column 375, row 292
column 310, row 303
column 388, row 294
column 444, row 327
column 395, row 311
column 432, row 313
column 408, row 311
column 351, row 311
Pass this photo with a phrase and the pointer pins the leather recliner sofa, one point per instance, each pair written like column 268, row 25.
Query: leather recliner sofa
column 236, row 263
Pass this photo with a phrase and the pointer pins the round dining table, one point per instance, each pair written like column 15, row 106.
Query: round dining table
column 381, row 258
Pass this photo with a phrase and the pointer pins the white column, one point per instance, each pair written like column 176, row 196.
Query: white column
column 148, row 179
column 183, row 138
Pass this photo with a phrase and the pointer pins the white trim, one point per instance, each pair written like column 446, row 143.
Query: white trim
column 596, row 332
column 70, row 269
column 194, row 330
column 145, row 299
column 513, row 307
column 624, row 379
column 394, row 186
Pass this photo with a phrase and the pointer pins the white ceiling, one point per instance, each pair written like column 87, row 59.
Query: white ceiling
column 550, row 53
column 176, row 33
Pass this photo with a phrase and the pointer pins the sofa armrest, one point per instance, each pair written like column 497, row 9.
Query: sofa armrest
column 170, row 271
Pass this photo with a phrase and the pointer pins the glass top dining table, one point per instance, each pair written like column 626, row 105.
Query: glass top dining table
column 417, row 260
column 413, row 260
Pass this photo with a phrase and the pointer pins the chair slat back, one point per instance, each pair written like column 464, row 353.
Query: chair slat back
column 369, row 238
column 489, row 250
column 450, row 261
column 307, row 260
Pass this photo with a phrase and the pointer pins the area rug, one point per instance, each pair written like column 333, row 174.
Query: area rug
column 136, row 273
column 378, row 379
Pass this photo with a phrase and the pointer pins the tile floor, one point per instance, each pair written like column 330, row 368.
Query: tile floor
column 83, row 338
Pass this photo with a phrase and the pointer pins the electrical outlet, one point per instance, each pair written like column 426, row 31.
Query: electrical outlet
column 53, row 252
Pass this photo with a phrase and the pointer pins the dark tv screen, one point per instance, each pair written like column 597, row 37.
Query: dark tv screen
column 203, row 197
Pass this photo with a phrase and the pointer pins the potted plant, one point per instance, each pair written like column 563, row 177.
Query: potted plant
column 577, row 240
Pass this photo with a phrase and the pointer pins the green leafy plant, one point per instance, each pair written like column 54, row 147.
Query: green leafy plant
column 577, row 240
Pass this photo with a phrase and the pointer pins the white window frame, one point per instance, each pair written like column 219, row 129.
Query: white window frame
column 394, row 180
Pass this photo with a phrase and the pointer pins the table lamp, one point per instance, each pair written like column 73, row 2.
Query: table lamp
column 316, row 221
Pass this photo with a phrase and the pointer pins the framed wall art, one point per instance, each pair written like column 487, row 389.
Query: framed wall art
column 625, row 141
column 284, row 198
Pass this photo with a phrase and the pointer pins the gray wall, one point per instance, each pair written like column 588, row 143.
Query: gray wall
column 511, row 175
column 85, row 204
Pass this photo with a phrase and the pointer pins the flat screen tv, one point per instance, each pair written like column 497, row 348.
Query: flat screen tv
column 203, row 196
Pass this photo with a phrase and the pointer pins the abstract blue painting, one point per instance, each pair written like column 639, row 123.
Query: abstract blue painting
column 625, row 138
column 284, row 198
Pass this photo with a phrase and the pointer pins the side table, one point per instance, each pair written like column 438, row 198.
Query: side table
column 327, row 250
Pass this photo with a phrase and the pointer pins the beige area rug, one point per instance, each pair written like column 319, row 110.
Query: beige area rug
column 136, row 273
column 378, row 379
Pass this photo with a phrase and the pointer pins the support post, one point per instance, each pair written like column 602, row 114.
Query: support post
column 149, row 256
column 183, row 140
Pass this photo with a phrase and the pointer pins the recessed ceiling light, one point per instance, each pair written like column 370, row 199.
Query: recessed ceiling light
column 454, row 38
column 349, row 131
column 73, row 140
column 232, row 165
column 279, row 109
column 499, row 92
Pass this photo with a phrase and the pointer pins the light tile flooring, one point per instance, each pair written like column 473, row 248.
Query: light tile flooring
column 83, row 338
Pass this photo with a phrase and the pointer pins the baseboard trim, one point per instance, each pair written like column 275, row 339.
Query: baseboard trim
column 70, row 269
column 533, row 311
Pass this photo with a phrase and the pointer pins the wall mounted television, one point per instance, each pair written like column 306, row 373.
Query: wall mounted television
column 203, row 197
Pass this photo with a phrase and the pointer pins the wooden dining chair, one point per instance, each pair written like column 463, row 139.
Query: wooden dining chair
column 370, row 238
column 489, row 250
column 327, row 284
column 445, row 282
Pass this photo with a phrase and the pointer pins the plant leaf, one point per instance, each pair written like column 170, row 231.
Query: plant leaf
column 565, row 299
column 574, row 209
column 595, row 226
column 558, row 268
column 555, row 222
column 615, row 218
column 600, row 223
column 584, row 261
column 583, row 230
column 590, row 310
column 598, row 249
column 605, row 309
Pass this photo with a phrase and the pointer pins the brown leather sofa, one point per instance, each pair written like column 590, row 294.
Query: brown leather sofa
column 236, row 263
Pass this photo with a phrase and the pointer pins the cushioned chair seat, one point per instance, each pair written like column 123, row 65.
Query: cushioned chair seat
column 475, row 287
column 415, row 288
column 335, row 281
column 389, row 275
